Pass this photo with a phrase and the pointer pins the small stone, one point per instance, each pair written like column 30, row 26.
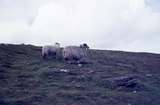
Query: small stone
column 135, row 91
column 90, row 71
column 80, row 65
column 63, row 70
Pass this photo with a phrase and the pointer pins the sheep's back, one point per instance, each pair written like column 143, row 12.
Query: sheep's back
column 74, row 52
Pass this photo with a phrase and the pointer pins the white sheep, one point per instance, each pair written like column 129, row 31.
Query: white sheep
column 75, row 53
column 51, row 50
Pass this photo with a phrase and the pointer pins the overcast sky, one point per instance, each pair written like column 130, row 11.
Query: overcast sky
column 128, row 25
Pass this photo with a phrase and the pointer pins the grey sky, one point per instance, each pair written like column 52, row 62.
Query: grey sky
column 130, row 25
column 155, row 4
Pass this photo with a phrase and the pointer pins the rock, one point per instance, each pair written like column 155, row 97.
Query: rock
column 122, row 81
column 148, row 75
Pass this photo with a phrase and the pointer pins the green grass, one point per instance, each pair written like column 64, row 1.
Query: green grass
column 27, row 79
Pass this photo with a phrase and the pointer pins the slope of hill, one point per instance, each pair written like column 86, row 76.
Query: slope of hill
column 113, row 78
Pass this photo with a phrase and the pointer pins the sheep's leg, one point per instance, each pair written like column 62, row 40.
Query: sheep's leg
column 67, row 60
column 75, row 60
column 44, row 56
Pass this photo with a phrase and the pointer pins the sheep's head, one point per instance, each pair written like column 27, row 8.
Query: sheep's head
column 84, row 46
column 57, row 44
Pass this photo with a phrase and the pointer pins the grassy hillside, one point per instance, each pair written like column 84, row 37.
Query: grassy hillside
column 113, row 78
